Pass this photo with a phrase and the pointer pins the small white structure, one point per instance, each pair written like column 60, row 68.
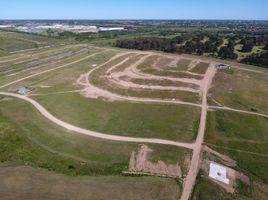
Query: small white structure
column 218, row 173
column 223, row 66
column 23, row 90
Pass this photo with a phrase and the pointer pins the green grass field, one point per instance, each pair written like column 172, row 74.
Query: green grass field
column 138, row 120
column 41, row 143
column 11, row 41
column 32, row 184
column 246, row 142
column 241, row 90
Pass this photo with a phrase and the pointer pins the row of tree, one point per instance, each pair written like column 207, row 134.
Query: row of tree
column 257, row 59
column 153, row 43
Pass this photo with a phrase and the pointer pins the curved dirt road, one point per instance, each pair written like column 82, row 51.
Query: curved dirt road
column 76, row 129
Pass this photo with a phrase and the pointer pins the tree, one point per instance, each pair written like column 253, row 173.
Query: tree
column 257, row 59
column 227, row 52
column 266, row 47
column 248, row 44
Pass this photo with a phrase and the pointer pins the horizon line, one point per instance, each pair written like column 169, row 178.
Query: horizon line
column 145, row 19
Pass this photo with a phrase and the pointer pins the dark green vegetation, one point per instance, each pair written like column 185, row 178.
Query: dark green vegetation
column 257, row 59
column 160, row 44
column 29, row 183
column 244, row 138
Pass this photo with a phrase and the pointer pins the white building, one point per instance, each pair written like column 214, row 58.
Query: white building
column 218, row 173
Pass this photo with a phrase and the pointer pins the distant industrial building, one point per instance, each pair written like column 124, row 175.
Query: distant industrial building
column 111, row 28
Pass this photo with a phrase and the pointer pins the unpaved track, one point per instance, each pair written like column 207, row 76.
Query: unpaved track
column 236, row 110
column 22, row 55
column 50, row 70
column 76, row 129
column 195, row 162
column 93, row 91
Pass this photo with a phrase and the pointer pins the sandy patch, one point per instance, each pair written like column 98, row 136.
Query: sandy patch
column 139, row 162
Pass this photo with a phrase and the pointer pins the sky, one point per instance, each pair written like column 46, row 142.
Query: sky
column 134, row 9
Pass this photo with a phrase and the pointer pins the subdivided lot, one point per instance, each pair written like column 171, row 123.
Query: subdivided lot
column 200, row 68
column 163, row 94
column 183, row 64
column 40, row 143
column 172, row 74
column 161, row 82
column 241, row 90
column 10, row 41
column 65, row 75
column 174, row 122
column 41, row 61
column 244, row 138
column 37, row 184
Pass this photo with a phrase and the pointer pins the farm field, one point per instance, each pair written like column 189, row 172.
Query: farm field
column 146, row 123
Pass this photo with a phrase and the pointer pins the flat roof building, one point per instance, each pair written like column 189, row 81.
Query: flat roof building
column 218, row 173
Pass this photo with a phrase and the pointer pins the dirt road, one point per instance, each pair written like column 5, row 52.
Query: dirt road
column 236, row 110
column 194, row 167
column 50, row 70
column 79, row 130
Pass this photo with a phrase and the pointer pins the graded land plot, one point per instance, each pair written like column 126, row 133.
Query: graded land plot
column 63, row 79
column 173, row 122
column 243, row 138
column 200, row 68
column 241, row 89
column 11, row 42
column 36, row 184
column 160, row 82
column 146, row 67
column 40, row 61
column 40, row 143
column 70, row 61
column 116, row 75
column 183, row 64
column 52, row 91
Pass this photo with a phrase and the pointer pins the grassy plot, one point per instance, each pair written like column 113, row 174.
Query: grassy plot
column 208, row 190
column 41, row 143
column 241, row 90
column 243, row 137
column 205, row 189
column 161, row 82
column 36, row 184
column 120, row 118
column 200, row 68
column 23, row 74
column 10, row 41
column 183, row 64
column 41, row 61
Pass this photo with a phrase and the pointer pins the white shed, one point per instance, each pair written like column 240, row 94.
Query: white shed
column 218, row 173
